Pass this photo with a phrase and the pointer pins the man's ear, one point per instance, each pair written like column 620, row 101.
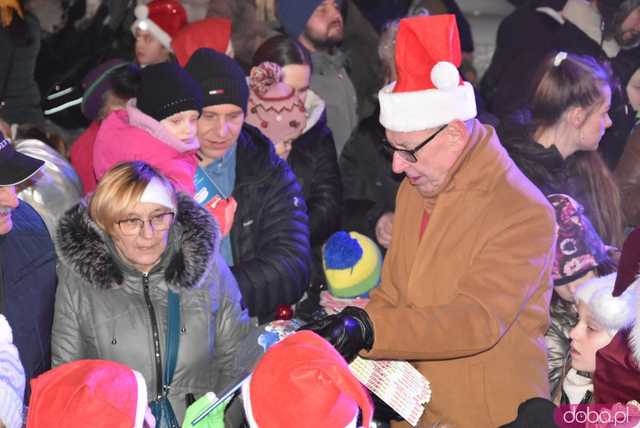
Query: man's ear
column 457, row 134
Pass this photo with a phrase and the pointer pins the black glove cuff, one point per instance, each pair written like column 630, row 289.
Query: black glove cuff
column 361, row 316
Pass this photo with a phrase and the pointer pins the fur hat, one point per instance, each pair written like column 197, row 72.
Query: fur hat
column 221, row 78
column 212, row 33
column 617, row 375
column 294, row 14
column 429, row 91
column 274, row 107
column 11, row 379
column 162, row 18
column 167, row 89
column 579, row 248
column 96, row 393
column 303, row 378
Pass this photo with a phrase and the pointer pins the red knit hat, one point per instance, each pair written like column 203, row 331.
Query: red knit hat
column 88, row 393
column 213, row 33
column 429, row 91
column 162, row 18
column 303, row 380
column 617, row 375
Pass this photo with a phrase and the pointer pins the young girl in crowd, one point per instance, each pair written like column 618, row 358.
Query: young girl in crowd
column 580, row 256
column 155, row 26
column 554, row 141
column 159, row 126
column 308, row 147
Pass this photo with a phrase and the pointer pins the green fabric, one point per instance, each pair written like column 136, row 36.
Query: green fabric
column 215, row 419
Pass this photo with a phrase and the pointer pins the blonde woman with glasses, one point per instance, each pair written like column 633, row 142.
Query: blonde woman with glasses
column 141, row 282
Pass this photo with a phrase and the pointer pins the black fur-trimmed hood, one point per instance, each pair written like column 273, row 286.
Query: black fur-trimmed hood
column 82, row 245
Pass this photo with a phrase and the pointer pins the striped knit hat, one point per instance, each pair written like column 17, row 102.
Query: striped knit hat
column 11, row 379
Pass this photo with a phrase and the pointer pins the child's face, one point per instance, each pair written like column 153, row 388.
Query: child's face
column 568, row 291
column 149, row 50
column 586, row 338
column 183, row 125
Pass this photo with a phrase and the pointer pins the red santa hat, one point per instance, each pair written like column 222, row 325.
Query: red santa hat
column 162, row 18
column 429, row 91
column 95, row 393
column 303, row 380
column 213, row 33
column 617, row 375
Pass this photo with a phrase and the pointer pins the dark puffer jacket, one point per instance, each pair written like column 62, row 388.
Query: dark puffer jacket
column 314, row 161
column 270, row 233
column 102, row 305
column 28, row 287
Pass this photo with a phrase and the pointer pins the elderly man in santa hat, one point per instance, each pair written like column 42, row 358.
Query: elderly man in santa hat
column 466, row 283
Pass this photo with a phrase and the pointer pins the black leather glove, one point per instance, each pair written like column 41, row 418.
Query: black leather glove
column 349, row 331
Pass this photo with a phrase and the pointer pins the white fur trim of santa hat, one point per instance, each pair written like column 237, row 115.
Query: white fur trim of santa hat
column 141, row 405
column 613, row 313
column 429, row 108
column 145, row 24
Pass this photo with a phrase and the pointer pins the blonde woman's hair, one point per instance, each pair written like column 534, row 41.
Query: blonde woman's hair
column 120, row 189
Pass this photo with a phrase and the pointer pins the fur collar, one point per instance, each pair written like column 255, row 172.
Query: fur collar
column 82, row 245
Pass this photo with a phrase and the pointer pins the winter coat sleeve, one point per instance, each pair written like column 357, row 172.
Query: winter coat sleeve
column 232, row 327
column 66, row 340
column 557, row 341
column 493, row 292
column 325, row 195
column 277, row 272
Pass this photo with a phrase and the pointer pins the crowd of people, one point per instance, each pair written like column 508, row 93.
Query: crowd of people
column 223, row 155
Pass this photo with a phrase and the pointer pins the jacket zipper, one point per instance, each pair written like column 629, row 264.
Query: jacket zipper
column 156, row 336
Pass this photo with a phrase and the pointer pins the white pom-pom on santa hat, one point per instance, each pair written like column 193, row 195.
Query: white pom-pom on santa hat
column 445, row 76
column 141, row 11
column 6, row 335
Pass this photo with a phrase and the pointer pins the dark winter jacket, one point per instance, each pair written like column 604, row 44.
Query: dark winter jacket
column 270, row 232
column 627, row 175
column 370, row 186
column 314, row 161
column 507, row 85
column 28, row 288
column 545, row 167
column 102, row 305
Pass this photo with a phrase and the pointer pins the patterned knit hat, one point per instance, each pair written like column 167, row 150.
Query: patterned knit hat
column 162, row 18
column 11, row 379
column 579, row 248
column 352, row 263
column 167, row 89
column 274, row 107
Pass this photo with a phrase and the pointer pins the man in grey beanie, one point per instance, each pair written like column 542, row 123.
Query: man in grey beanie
column 318, row 25
column 252, row 192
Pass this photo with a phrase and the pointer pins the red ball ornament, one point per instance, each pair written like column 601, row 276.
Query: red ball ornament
column 284, row 312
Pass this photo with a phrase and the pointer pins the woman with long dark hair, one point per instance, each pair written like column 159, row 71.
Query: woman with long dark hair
column 555, row 140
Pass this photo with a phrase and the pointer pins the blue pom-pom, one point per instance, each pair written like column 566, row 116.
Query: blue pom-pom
column 341, row 251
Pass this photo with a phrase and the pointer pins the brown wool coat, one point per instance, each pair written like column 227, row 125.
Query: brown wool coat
column 468, row 304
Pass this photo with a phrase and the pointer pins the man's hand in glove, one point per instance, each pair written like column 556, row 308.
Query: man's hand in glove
column 349, row 331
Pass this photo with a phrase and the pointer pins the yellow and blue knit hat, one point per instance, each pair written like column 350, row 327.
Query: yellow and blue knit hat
column 352, row 263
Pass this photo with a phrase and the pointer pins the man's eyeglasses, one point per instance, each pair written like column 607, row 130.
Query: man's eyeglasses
column 406, row 154
column 158, row 222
